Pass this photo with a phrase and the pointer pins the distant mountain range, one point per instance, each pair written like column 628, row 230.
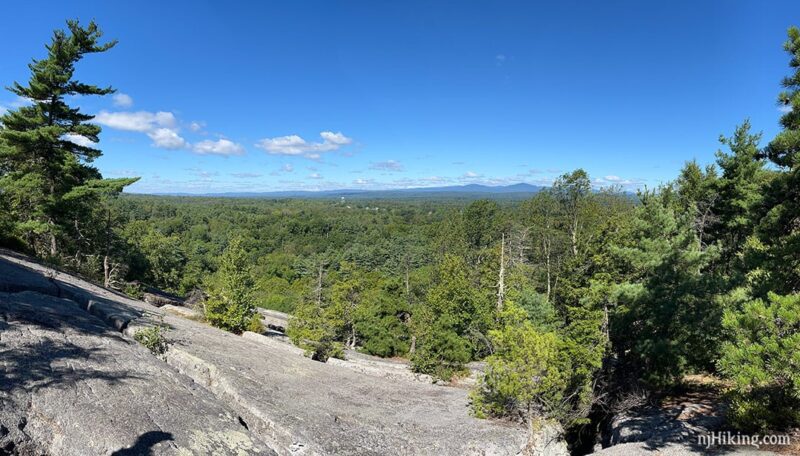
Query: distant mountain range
column 471, row 191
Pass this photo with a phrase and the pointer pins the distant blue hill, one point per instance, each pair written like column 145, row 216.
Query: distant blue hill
column 471, row 191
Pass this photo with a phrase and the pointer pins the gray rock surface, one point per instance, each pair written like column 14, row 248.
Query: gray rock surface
column 672, row 428
column 272, row 319
column 548, row 440
column 293, row 404
column 72, row 385
column 677, row 449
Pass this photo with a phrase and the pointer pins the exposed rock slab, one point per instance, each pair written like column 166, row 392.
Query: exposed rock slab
column 671, row 428
column 71, row 385
column 272, row 319
column 296, row 405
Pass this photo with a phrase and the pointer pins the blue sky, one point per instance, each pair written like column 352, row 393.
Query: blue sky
column 257, row 96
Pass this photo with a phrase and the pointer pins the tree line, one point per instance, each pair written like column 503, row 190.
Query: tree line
column 571, row 298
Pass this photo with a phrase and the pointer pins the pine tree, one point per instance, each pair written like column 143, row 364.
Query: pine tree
column 39, row 162
column 739, row 191
column 346, row 301
column 527, row 375
column 667, row 319
column 96, row 235
column 762, row 361
column 442, row 324
column 230, row 292
column 697, row 194
column 776, row 251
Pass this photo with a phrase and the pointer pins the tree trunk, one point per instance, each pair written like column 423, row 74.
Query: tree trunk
column 574, row 236
column 319, row 286
column 546, row 248
column 106, row 272
column 501, row 286
column 53, row 245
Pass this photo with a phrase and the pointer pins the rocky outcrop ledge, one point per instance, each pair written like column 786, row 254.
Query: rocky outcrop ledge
column 75, row 382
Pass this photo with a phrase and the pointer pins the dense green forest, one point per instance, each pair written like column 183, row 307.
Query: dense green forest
column 572, row 297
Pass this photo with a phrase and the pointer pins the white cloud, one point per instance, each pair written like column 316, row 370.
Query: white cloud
column 246, row 175
column 335, row 138
column 79, row 140
column 162, row 128
column 606, row 181
column 123, row 100
column 785, row 108
column 197, row 126
column 388, row 165
column 141, row 121
column 470, row 175
column 287, row 168
column 219, row 147
column 295, row 145
column 167, row 138
column 315, row 176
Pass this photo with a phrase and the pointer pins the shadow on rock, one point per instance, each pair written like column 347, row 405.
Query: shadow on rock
column 144, row 444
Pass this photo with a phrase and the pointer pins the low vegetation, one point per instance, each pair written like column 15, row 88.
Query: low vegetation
column 154, row 338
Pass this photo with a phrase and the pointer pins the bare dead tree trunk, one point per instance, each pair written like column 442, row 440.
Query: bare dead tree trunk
column 318, row 290
column 106, row 265
column 106, row 272
column 53, row 245
column 408, row 287
column 501, row 286
column 546, row 248
column 574, row 235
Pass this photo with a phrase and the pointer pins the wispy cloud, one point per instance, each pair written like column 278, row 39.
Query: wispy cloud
column 246, row 175
column 122, row 100
column 785, row 108
column 388, row 165
column 121, row 173
column 295, row 145
column 204, row 174
column 607, row 181
column 286, row 168
column 315, row 176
